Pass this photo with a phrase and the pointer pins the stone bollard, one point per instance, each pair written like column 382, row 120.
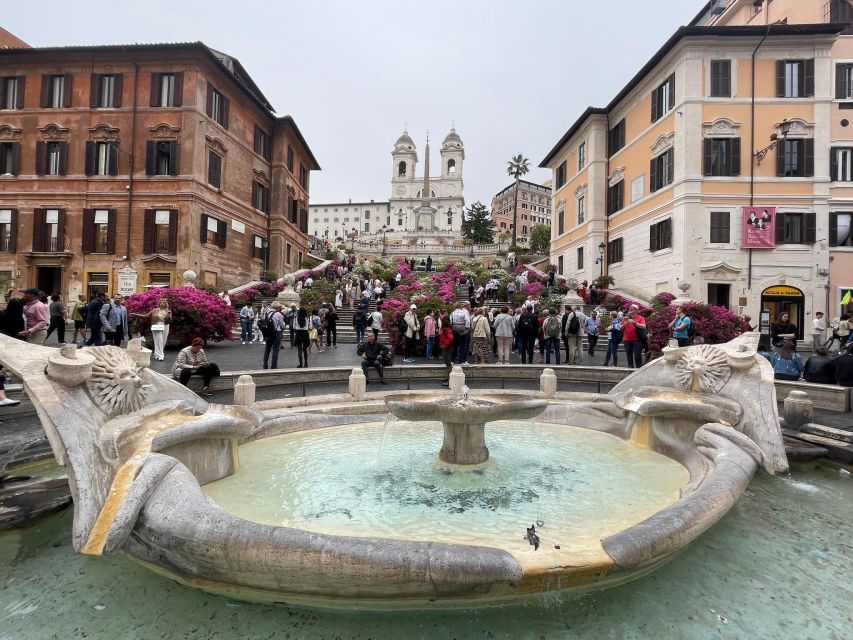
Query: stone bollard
column 357, row 384
column 548, row 383
column 244, row 391
column 798, row 410
column 457, row 380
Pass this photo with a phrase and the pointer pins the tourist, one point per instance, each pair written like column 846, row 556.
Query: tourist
column 36, row 314
column 445, row 341
column 783, row 331
column 93, row 319
column 257, row 334
column 159, row 317
column 78, row 317
column 510, row 291
column 481, row 336
column 614, row 333
column 633, row 335
column 429, row 263
column 348, row 293
column 460, row 320
column 820, row 368
column 376, row 322
column 764, row 353
column 4, row 401
column 844, row 367
column 787, row 363
column 339, row 299
column 247, row 314
column 359, row 323
column 591, row 327
column 681, row 326
column 528, row 328
column 288, row 322
column 192, row 361
column 372, row 352
column 302, row 336
column 114, row 321
column 12, row 321
column 818, row 329
column 225, row 298
column 314, row 332
column 552, row 330
column 574, row 332
column 504, row 330
column 430, row 333
column 411, row 334
column 331, row 320
column 272, row 336
column 309, row 282
column 470, row 289
column 57, row 318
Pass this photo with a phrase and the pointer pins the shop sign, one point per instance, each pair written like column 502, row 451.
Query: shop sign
column 759, row 228
column 782, row 291
column 127, row 281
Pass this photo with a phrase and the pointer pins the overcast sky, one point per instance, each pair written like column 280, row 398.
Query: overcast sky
column 513, row 75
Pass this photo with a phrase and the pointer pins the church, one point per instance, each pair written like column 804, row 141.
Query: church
column 426, row 203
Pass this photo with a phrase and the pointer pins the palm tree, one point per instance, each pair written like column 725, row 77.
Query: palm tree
column 517, row 167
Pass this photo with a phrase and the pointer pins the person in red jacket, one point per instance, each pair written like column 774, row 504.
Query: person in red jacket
column 633, row 336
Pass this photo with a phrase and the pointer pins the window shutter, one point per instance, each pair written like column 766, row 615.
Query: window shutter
column 708, row 157
column 810, row 234
column 780, row 78
column 668, row 232
column 254, row 194
column 91, row 149
column 44, row 99
column 94, row 91
column 808, row 146
column 780, row 159
column 16, row 158
column 41, row 156
column 840, row 81
column 225, row 111
column 780, row 228
column 179, row 89
column 268, row 201
column 13, row 231
column 111, row 231
column 833, row 229
column 150, row 157
column 21, row 88
column 66, row 92
column 2, row 93
column 88, row 230
column 653, row 175
column 653, row 244
column 735, row 157
column 60, row 234
column 63, row 158
column 257, row 138
column 173, row 231
column 655, row 105
column 173, row 158
column 715, row 78
column 620, row 188
column 671, row 81
column 112, row 160
column 833, row 164
column 203, row 236
column 148, row 232
column 117, row 86
column 38, row 229
column 223, row 230
column 670, row 165
column 209, row 106
column 808, row 81
column 155, row 91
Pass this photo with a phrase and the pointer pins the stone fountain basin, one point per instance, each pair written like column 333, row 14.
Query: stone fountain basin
column 482, row 408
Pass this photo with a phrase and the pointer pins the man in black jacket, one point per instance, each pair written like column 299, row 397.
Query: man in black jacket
column 371, row 353
column 844, row 368
column 820, row 368
column 93, row 319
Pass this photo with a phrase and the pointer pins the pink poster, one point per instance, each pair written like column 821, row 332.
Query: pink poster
column 759, row 227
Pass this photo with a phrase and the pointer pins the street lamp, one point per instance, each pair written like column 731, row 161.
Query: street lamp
column 600, row 259
column 384, row 231
column 352, row 236
column 784, row 130
column 265, row 246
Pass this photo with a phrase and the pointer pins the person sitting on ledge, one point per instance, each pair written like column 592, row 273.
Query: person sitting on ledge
column 787, row 364
column 844, row 367
column 192, row 361
column 820, row 369
column 371, row 353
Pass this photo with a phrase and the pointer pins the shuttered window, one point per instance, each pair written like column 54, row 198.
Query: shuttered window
column 213, row 231
column 561, row 175
column 263, row 143
column 12, row 92
column 217, row 105
column 795, row 228
column 8, row 230
column 663, row 98
column 660, row 235
column 10, row 158
column 214, row 169
column 48, row 230
column 794, row 78
column 261, row 197
column 795, row 158
column 581, row 209
column 99, row 230
column 167, row 89
column 101, row 159
column 161, row 158
column 840, row 229
column 55, row 91
column 841, row 164
column 720, row 227
column 616, row 138
column 580, row 258
column 721, row 157
column 160, row 231
column 844, row 81
column 661, row 171
column 721, row 78
column 257, row 248
column 51, row 158
column 105, row 90
column 290, row 159
column 614, row 251
column 615, row 197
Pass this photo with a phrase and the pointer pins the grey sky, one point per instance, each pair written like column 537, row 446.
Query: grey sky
column 513, row 75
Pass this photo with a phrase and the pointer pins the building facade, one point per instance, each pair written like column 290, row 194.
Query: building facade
column 534, row 207
column 123, row 166
column 658, row 180
column 340, row 220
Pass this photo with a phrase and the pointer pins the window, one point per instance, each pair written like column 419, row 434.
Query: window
column 660, row 171
column 257, row 248
column 840, row 230
column 8, row 230
column 722, row 157
column 55, row 91
column 451, row 167
column 10, row 158
column 721, row 78
column 160, row 231
column 217, row 106
column 98, row 231
column 795, row 158
column 160, row 280
column 524, row 229
column 581, row 209
column 167, row 89
column 794, row 78
column 290, row 159
column 843, row 81
column 663, row 98
column 161, row 158
column 561, row 222
column 287, row 253
column 213, row 231
column 580, row 258
column 12, row 92
column 101, row 159
column 261, row 197
column 615, row 197
column 561, row 175
column 616, row 138
column 795, row 228
column 841, row 164
column 214, row 169
column 660, row 235
column 51, row 158
column 720, row 227
column 581, row 155
column 263, row 143
column 105, row 90
column 303, row 176
column 49, row 230
column 97, row 282
column 614, row 251
column 560, row 265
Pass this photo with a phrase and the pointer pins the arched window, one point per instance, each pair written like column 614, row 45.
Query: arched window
column 401, row 168
column 451, row 166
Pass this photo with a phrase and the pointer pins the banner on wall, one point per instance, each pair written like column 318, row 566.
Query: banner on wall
column 759, row 228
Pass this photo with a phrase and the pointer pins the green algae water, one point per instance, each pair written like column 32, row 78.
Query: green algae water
column 778, row 566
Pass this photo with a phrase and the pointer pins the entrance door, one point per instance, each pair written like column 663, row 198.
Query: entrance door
column 718, row 294
column 784, row 299
column 49, row 279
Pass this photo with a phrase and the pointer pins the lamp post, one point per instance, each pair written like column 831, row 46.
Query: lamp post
column 352, row 236
column 784, row 130
column 384, row 231
column 600, row 259
column 265, row 246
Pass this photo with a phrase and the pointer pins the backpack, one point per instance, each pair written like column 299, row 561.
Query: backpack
column 574, row 325
column 526, row 324
column 691, row 330
column 402, row 326
column 552, row 327
column 264, row 320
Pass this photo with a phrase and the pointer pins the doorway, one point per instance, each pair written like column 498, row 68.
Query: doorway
column 719, row 295
column 49, row 279
column 784, row 299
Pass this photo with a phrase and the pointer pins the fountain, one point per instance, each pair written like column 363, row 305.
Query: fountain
column 601, row 489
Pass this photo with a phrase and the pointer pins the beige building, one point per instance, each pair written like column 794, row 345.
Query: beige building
column 534, row 207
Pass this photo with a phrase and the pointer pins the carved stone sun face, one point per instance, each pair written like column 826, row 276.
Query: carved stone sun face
column 702, row 369
column 115, row 385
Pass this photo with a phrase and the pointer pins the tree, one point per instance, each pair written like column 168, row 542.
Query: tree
column 517, row 167
column 477, row 224
column 540, row 237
